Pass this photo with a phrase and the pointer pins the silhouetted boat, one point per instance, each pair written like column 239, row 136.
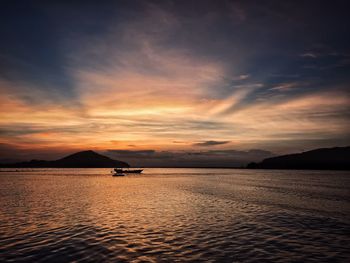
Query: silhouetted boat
column 120, row 172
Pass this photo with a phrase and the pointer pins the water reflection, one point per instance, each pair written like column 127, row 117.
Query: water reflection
column 174, row 215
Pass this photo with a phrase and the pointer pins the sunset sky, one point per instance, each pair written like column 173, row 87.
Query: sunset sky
column 158, row 79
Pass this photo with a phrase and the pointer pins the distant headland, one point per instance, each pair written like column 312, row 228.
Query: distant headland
column 337, row 158
column 84, row 159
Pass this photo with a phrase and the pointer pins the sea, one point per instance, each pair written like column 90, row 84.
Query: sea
column 174, row 215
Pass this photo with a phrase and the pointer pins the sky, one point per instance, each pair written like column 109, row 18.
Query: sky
column 154, row 82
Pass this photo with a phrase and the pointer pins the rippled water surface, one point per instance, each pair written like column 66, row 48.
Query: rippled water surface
column 167, row 215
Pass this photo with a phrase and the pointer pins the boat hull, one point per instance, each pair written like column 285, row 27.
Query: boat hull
column 121, row 171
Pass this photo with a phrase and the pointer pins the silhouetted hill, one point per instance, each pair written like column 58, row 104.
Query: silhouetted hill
column 85, row 159
column 337, row 158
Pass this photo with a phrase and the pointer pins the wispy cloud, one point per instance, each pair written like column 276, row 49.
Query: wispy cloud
column 161, row 76
column 286, row 86
column 309, row 55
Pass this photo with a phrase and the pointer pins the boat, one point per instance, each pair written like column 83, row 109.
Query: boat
column 121, row 172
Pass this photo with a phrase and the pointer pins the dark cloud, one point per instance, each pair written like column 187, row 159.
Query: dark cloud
column 136, row 153
column 210, row 143
column 211, row 158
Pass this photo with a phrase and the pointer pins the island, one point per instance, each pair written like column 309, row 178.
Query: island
column 337, row 158
column 84, row 159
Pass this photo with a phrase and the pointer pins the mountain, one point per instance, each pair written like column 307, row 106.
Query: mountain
column 337, row 158
column 84, row 159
